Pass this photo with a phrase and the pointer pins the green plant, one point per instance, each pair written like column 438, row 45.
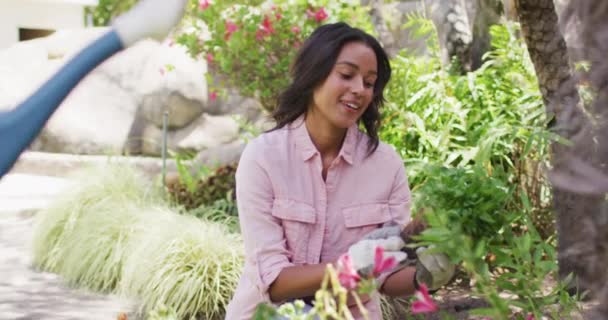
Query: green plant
column 222, row 211
column 107, row 9
column 253, row 44
column 473, row 222
column 185, row 263
column 162, row 312
column 86, row 217
column 206, row 190
column 112, row 232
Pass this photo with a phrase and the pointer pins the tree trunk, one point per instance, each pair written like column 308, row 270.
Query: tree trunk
column 591, row 16
column 384, row 34
column 549, row 54
column 487, row 13
column 454, row 31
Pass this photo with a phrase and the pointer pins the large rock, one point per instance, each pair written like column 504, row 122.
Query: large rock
column 98, row 117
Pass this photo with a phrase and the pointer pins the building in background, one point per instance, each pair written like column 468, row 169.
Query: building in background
column 22, row 20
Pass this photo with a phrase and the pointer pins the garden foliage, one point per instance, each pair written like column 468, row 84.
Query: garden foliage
column 474, row 146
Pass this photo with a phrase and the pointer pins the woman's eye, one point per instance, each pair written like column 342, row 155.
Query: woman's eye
column 369, row 84
column 346, row 76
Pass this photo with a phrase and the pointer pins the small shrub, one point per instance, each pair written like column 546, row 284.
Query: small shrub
column 189, row 265
column 215, row 186
column 107, row 192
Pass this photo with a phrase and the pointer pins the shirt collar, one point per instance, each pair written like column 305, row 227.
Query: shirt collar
column 307, row 148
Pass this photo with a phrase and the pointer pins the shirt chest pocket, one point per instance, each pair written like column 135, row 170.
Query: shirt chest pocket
column 363, row 218
column 298, row 220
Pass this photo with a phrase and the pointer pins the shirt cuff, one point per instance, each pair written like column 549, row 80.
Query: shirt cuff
column 268, row 268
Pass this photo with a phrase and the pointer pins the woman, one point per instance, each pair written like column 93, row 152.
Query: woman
column 311, row 188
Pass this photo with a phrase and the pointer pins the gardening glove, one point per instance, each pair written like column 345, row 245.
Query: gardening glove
column 363, row 254
column 384, row 232
column 433, row 269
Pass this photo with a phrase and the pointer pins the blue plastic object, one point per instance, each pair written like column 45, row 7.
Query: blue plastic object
column 19, row 127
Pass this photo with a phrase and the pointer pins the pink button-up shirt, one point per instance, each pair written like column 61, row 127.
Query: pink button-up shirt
column 290, row 216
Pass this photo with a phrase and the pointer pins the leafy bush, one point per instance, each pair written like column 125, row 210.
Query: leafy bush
column 469, row 199
column 474, row 145
column 252, row 45
column 206, row 189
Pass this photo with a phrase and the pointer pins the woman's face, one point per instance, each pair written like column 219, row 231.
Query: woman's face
column 346, row 93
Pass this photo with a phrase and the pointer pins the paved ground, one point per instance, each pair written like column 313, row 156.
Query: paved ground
column 26, row 293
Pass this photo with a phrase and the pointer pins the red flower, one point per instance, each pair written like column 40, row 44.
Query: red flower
column 347, row 275
column 382, row 265
column 203, row 4
column 425, row 303
column 295, row 29
column 267, row 25
column 320, row 15
column 213, row 96
column 209, row 57
column 530, row 317
column 230, row 29
column 278, row 15
column 265, row 29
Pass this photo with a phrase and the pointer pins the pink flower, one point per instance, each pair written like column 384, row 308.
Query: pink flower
column 382, row 265
column 278, row 15
column 425, row 303
column 213, row 96
column 295, row 29
column 162, row 71
column 530, row 317
column 320, row 15
column 209, row 57
column 230, row 29
column 203, row 4
column 310, row 14
column 259, row 35
column 347, row 275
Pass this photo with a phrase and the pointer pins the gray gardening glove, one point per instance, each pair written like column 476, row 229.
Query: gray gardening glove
column 363, row 252
column 434, row 269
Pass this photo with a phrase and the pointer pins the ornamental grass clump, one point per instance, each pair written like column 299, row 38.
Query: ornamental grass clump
column 185, row 263
column 83, row 235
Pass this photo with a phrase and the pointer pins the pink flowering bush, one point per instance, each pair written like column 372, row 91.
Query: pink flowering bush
column 251, row 46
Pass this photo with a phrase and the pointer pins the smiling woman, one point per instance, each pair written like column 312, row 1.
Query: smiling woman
column 348, row 183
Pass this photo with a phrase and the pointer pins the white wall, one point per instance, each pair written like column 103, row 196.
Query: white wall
column 39, row 14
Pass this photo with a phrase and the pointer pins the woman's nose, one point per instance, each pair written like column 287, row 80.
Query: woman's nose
column 357, row 85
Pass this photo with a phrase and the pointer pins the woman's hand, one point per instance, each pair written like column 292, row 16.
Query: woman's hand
column 434, row 269
column 363, row 252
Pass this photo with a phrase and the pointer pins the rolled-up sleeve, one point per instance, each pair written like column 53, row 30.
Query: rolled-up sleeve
column 265, row 246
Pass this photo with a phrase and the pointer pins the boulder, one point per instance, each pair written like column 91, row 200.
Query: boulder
column 99, row 114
